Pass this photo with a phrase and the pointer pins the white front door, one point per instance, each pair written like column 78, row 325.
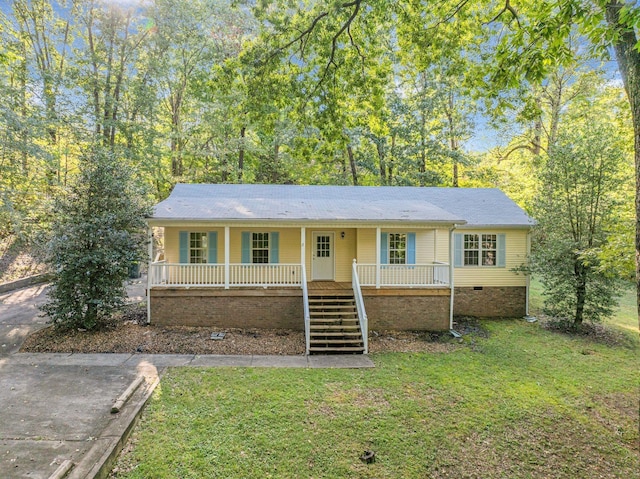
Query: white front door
column 322, row 268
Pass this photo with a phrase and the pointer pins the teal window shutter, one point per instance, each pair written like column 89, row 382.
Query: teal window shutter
column 213, row 247
column 274, row 247
column 502, row 253
column 411, row 248
column 246, row 247
column 457, row 250
column 384, row 248
column 184, row 246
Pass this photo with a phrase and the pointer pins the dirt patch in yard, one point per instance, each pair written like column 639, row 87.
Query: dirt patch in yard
column 19, row 260
column 131, row 334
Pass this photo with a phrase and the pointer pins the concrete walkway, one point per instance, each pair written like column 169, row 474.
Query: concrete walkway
column 56, row 408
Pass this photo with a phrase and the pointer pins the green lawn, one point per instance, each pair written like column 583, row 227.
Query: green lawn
column 522, row 402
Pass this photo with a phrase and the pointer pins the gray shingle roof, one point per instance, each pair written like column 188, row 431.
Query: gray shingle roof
column 222, row 202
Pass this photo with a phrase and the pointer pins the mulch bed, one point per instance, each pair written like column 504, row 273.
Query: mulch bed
column 131, row 334
column 598, row 333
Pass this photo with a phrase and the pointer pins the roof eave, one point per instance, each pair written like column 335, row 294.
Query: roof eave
column 469, row 226
column 159, row 221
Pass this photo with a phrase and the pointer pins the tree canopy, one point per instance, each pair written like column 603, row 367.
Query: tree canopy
column 362, row 92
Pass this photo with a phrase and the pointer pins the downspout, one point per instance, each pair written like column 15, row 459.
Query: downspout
column 528, row 275
column 451, row 285
column 150, row 255
column 378, row 243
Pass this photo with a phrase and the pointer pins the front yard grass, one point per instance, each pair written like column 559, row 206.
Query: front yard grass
column 522, row 402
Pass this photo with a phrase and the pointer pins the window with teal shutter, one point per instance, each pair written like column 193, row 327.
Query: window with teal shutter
column 384, row 248
column 213, row 247
column 274, row 250
column 184, row 246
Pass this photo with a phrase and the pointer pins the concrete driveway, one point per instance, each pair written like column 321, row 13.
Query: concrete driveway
column 57, row 407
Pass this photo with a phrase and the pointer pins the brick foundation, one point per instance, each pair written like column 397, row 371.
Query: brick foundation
column 426, row 310
column 249, row 309
column 422, row 310
column 490, row 302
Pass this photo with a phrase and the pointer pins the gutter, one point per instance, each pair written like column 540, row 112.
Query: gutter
column 328, row 223
column 528, row 283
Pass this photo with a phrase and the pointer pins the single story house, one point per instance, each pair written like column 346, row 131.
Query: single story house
column 336, row 261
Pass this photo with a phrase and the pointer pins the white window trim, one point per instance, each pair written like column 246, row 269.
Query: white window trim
column 204, row 248
column 480, row 250
column 266, row 248
column 389, row 249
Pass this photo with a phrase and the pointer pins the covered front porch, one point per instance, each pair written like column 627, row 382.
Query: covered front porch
column 328, row 280
column 277, row 257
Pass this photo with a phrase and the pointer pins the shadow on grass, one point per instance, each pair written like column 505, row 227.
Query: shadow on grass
column 598, row 333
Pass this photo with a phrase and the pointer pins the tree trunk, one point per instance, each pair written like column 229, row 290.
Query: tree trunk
column 243, row 132
column 423, row 148
column 383, row 166
column 454, row 148
column 453, row 137
column 581, row 291
column 275, row 171
column 352, row 164
column 537, row 127
column 390, row 163
column 24, row 132
column 629, row 64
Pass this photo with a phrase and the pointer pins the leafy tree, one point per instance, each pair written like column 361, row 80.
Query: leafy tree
column 98, row 233
column 575, row 211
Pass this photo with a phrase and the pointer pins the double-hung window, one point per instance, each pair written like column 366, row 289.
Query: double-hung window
column 480, row 249
column 197, row 247
column 397, row 248
column 259, row 248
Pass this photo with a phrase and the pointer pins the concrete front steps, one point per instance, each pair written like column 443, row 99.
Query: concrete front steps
column 334, row 326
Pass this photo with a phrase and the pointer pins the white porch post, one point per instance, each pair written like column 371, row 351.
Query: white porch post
column 378, row 241
column 149, row 274
column 226, row 257
column 303, row 238
column 451, row 259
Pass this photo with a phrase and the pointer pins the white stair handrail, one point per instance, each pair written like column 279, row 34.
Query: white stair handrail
column 305, row 303
column 362, row 314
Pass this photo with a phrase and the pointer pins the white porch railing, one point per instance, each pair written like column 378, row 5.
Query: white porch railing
column 213, row 275
column 436, row 274
column 362, row 313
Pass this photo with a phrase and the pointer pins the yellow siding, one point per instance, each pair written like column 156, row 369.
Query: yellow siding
column 360, row 243
column 516, row 255
column 345, row 253
column 441, row 246
column 366, row 249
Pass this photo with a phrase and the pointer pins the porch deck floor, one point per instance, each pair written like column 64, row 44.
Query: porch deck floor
column 328, row 286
